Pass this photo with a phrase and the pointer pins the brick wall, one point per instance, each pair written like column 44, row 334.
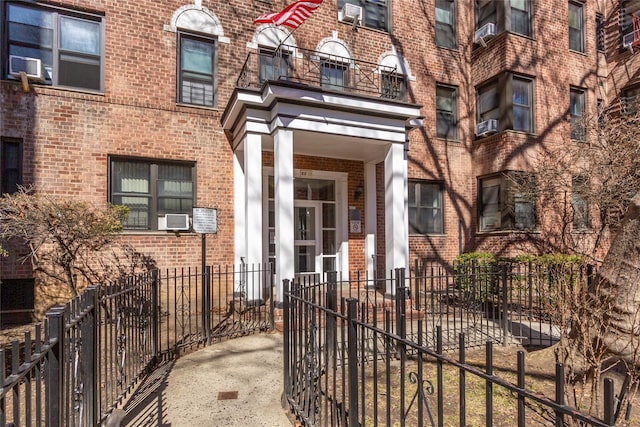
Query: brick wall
column 69, row 135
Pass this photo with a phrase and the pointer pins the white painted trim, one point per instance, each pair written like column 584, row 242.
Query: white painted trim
column 371, row 218
column 240, row 249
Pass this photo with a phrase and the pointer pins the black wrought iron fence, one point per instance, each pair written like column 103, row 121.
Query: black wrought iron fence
column 88, row 356
column 350, row 362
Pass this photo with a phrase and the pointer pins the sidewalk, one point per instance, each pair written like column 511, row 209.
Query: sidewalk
column 233, row 383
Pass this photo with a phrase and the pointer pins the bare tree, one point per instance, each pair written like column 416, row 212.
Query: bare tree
column 588, row 191
column 70, row 242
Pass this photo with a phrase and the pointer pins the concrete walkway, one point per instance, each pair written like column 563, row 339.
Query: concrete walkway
column 233, row 383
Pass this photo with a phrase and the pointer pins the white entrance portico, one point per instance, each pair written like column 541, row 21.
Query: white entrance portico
column 299, row 218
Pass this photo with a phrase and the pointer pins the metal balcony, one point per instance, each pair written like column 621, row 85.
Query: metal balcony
column 321, row 70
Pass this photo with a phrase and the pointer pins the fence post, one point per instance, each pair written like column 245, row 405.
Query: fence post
column 155, row 316
column 505, row 308
column 88, row 355
column 286, row 328
column 206, row 306
column 352, row 336
column 401, row 306
column 54, row 367
column 609, row 414
column 332, row 307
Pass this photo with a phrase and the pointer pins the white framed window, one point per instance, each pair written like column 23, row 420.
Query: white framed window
column 196, row 70
column 69, row 44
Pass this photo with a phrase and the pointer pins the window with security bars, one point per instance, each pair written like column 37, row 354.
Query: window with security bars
column 274, row 65
column 630, row 101
column 375, row 13
column 394, row 86
column 68, row 44
column 151, row 189
column 197, row 70
column 600, row 35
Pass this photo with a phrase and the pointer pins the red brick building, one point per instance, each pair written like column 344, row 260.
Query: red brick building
column 377, row 133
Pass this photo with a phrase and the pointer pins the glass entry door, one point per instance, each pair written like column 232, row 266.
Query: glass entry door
column 307, row 237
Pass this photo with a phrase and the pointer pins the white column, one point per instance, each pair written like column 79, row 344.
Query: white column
column 395, row 208
column 283, row 177
column 253, row 215
column 371, row 219
column 240, row 239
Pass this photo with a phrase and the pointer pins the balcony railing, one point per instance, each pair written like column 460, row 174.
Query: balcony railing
column 318, row 69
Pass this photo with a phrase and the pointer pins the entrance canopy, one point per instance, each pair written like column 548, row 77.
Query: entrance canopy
column 291, row 119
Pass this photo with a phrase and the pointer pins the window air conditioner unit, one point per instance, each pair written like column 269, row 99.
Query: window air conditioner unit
column 484, row 33
column 177, row 222
column 32, row 67
column 351, row 13
column 487, row 127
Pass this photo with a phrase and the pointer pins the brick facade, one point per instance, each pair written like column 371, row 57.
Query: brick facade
column 68, row 135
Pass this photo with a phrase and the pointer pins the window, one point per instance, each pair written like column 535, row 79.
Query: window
column 446, row 23
column 576, row 112
column 576, row 27
column 150, row 190
column 512, row 15
column 334, row 75
column 425, row 208
column 521, row 17
column 68, row 44
column 196, row 74
column 10, row 166
column 274, row 65
column 17, row 302
column 630, row 100
column 375, row 13
column 515, row 112
column 579, row 202
column 486, row 12
column 506, row 202
column 488, row 102
column 521, row 90
column 446, row 112
column 394, row 86
column 600, row 32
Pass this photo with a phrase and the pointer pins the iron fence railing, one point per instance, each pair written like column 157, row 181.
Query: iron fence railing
column 350, row 362
column 97, row 348
column 318, row 69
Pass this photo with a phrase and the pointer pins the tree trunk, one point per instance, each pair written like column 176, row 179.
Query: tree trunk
column 616, row 289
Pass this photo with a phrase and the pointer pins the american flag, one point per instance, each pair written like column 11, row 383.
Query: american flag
column 291, row 16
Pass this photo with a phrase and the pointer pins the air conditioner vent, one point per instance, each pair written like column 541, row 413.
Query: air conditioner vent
column 350, row 13
column 487, row 127
column 176, row 222
column 32, row 67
